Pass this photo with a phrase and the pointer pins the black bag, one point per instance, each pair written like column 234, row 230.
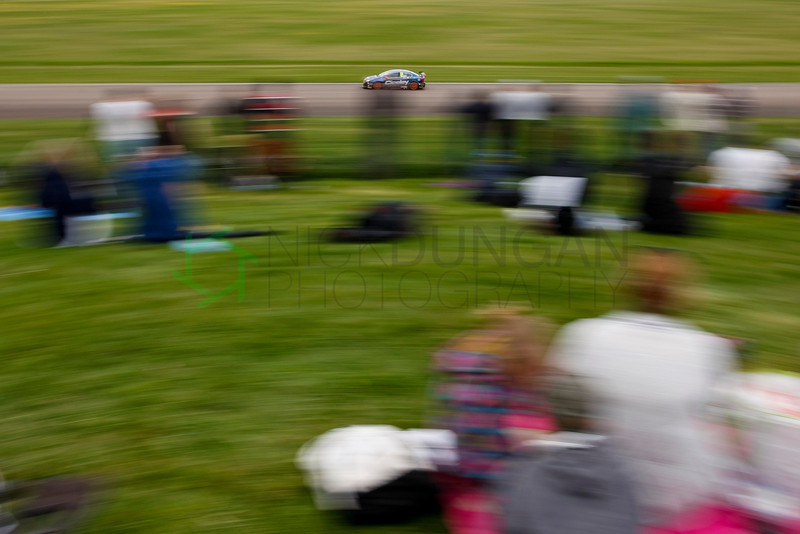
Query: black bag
column 382, row 222
column 410, row 496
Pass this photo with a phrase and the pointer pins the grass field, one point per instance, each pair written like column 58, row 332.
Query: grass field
column 51, row 41
column 192, row 414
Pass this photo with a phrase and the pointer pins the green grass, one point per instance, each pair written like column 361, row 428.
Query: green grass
column 192, row 415
column 246, row 40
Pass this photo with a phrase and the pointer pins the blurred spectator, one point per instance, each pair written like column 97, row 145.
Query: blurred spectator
column 567, row 159
column 487, row 396
column 740, row 107
column 520, row 114
column 725, row 110
column 170, row 120
column 158, row 175
column 563, row 105
column 63, row 185
column 697, row 114
column 746, row 168
column 650, row 377
column 383, row 115
column 479, row 113
column 713, row 120
column 638, row 113
column 661, row 168
column 124, row 124
column 569, row 481
column 788, row 147
column 229, row 109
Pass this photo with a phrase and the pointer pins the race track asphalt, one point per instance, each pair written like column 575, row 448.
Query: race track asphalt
column 18, row 101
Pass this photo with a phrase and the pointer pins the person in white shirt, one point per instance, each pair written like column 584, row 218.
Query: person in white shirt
column 123, row 125
column 650, row 377
column 750, row 169
column 698, row 114
column 512, row 107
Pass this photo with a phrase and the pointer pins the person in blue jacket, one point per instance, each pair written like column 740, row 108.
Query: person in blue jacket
column 156, row 177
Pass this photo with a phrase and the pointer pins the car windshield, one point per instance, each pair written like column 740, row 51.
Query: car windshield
column 384, row 73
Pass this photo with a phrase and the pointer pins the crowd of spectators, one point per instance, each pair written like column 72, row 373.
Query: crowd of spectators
column 624, row 424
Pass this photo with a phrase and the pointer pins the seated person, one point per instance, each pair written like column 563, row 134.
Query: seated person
column 571, row 480
column 487, row 396
column 157, row 175
column 762, row 411
column 650, row 378
column 59, row 191
column 759, row 171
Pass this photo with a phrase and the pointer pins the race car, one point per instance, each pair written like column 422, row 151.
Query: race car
column 395, row 79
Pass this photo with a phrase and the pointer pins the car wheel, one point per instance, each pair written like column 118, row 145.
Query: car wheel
column 413, row 86
column 377, row 85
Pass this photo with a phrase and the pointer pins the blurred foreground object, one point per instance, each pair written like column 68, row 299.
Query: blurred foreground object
column 571, row 481
column 486, row 394
column 373, row 473
column 47, row 506
column 765, row 409
column 650, row 378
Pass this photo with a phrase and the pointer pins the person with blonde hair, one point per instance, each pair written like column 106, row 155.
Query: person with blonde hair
column 650, row 377
column 486, row 393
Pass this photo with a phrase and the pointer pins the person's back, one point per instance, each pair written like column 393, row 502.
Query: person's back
column 651, row 377
column 521, row 105
column 686, row 109
column 124, row 120
column 485, row 395
column 749, row 169
column 155, row 178
column 123, row 125
column 571, row 481
column 660, row 211
column 639, row 112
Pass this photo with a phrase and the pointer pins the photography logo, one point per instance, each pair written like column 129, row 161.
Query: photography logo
column 215, row 243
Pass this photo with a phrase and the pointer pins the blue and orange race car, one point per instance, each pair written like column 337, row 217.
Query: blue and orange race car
column 395, row 79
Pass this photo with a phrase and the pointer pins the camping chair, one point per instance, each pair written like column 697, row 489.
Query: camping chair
column 556, row 195
column 45, row 506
